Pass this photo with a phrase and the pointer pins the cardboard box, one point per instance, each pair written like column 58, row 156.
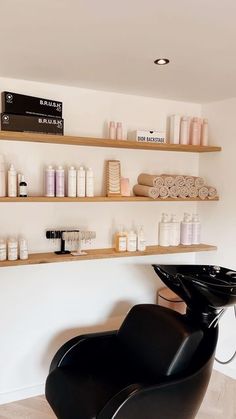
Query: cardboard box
column 39, row 124
column 30, row 105
column 145, row 136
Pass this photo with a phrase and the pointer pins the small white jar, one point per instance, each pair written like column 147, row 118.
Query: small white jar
column 23, row 245
column 12, row 248
column 3, row 250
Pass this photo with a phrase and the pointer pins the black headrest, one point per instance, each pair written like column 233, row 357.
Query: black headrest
column 159, row 340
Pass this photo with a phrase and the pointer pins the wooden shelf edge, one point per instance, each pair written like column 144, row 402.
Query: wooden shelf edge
column 109, row 253
column 102, row 142
column 102, row 199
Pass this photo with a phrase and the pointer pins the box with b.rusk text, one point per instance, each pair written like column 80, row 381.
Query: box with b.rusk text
column 30, row 105
column 40, row 124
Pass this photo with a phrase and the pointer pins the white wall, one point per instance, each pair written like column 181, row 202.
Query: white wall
column 219, row 221
column 43, row 306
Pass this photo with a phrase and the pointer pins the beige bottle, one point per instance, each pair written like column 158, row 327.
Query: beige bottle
column 204, row 136
column 195, row 132
column 121, row 241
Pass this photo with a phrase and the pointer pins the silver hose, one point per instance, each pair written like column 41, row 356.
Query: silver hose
column 234, row 355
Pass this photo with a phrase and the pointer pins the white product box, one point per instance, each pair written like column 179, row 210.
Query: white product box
column 145, row 136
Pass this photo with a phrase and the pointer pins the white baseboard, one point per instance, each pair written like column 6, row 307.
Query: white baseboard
column 21, row 393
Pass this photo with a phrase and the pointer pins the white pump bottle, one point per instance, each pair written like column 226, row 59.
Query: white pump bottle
column 174, row 231
column 186, row 230
column 164, row 231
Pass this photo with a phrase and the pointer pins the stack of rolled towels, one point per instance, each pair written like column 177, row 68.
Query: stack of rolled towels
column 173, row 186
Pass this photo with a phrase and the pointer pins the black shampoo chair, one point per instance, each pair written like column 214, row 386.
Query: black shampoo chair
column 157, row 366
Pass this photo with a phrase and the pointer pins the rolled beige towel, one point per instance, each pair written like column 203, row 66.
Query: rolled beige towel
column 174, row 191
column 169, row 180
column 150, row 180
column 184, row 191
column 212, row 192
column 164, row 192
column 159, row 181
column 199, row 182
column 180, row 181
column 203, row 192
column 189, row 181
column 143, row 190
column 192, row 192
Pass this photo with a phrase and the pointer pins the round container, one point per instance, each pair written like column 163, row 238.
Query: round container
column 23, row 245
column 3, row 250
column 12, row 249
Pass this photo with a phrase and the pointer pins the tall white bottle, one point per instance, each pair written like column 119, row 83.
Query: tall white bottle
column 204, row 136
column 49, row 181
column 196, row 229
column 131, row 241
column 186, row 230
column 119, row 131
column 112, row 130
column 174, row 129
column 81, row 182
column 2, row 176
column 184, row 130
column 60, row 182
column 164, row 231
column 141, row 242
column 12, row 182
column 174, row 231
column 89, row 182
column 71, row 189
column 195, row 132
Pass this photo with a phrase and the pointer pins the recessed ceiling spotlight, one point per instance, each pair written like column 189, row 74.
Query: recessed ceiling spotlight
column 161, row 61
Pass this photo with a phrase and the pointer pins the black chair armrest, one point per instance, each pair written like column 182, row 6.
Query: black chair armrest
column 160, row 400
column 114, row 404
column 69, row 351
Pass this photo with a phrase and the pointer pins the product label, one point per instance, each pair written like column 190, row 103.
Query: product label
column 141, row 245
column 81, row 187
column 23, row 254
column 186, row 234
column 23, row 190
column 12, row 253
column 132, row 245
column 122, row 244
column 196, row 233
column 51, row 104
column 49, row 121
column 146, row 139
column 3, row 254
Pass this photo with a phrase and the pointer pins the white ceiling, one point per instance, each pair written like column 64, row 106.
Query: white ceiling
column 111, row 45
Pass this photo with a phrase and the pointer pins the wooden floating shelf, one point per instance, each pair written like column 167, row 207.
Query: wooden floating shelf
column 102, row 199
column 101, row 142
column 39, row 258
